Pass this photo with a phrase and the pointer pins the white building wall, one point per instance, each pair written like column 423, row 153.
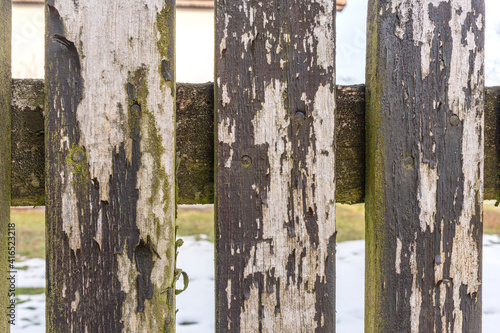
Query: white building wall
column 195, row 43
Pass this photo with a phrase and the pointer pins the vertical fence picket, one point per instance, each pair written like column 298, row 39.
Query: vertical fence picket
column 275, row 194
column 425, row 82
column 110, row 153
column 5, row 157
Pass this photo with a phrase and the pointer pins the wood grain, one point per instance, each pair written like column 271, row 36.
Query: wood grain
column 425, row 158
column 275, row 173
column 110, row 152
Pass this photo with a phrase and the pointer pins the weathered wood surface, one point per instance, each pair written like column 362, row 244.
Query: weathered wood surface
column 28, row 155
column 196, row 147
column 492, row 144
column 424, row 190
column 6, row 243
column 110, row 151
column 195, row 143
column 275, row 153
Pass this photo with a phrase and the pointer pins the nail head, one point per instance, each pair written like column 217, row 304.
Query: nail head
column 246, row 161
column 300, row 117
column 408, row 161
column 78, row 156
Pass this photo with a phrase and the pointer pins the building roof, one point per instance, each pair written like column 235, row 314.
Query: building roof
column 189, row 3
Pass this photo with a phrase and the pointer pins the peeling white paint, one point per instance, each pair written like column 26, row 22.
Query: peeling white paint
column 98, row 235
column 270, row 123
column 225, row 97
column 324, row 33
column 70, row 220
column 438, row 268
column 226, row 133
column 128, row 37
column 64, row 143
column 416, row 294
column 101, row 125
column 465, row 256
column 228, row 293
column 399, row 248
column 74, row 304
column 222, row 45
column 427, row 195
column 271, row 127
column 247, row 38
column 423, row 26
column 230, row 159
column 269, row 49
column 325, row 54
column 127, row 275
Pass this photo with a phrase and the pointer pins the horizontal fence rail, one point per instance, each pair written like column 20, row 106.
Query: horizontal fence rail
column 195, row 144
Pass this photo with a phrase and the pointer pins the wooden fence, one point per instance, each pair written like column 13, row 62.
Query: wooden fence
column 110, row 144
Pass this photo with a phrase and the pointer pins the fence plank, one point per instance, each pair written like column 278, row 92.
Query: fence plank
column 275, row 188
column 5, row 159
column 424, row 190
column 110, row 150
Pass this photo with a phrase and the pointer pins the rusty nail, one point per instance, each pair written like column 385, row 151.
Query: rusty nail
column 246, row 161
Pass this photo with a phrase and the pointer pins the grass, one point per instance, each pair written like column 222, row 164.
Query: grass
column 350, row 222
column 30, row 225
column 30, row 291
column 30, row 232
column 196, row 223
